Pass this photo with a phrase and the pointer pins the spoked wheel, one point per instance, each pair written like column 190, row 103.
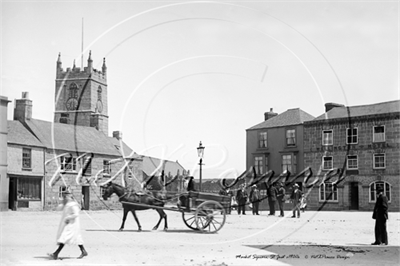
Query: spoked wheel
column 190, row 220
column 210, row 216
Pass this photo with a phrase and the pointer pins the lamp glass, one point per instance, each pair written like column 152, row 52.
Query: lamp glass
column 200, row 150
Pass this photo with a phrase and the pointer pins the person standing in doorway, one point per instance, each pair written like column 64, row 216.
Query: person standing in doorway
column 380, row 215
column 296, row 197
column 69, row 228
column 255, row 199
column 281, row 198
column 241, row 198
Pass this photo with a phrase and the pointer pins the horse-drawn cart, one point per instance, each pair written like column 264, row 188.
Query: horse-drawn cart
column 200, row 210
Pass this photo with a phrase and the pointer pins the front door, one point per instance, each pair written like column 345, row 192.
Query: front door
column 12, row 194
column 353, row 196
column 85, row 197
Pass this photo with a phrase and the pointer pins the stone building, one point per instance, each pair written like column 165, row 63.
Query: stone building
column 362, row 141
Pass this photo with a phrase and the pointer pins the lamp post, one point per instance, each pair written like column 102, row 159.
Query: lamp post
column 200, row 153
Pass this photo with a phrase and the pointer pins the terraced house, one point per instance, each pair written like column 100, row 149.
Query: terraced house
column 364, row 141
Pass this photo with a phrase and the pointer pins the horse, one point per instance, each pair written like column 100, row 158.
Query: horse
column 148, row 198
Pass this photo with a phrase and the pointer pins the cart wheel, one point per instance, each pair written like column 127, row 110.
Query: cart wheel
column 210, row 216
column 190, row 220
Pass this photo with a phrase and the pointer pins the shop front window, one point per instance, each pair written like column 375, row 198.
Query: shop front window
column 29, row 188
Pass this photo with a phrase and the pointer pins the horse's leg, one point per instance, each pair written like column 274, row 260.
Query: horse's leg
column 165, row 220
column 162, row 216
column 123, row 219
column 137, row 220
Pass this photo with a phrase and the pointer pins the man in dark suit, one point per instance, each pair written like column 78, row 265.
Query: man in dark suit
column 380, row 215
column 255, row 199
column 241, row 198
column 271, row 194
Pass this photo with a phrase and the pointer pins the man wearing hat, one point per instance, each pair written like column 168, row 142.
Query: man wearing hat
column 281, row 198
column 69, row 228
column 241, row 198
column 380, row 215
column 296, row 197
column 271, row 194
column 255, row 199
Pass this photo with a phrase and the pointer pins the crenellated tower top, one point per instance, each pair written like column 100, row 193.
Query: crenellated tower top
column 87, row 72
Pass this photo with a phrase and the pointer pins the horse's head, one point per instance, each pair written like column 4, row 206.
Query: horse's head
column 107, row 191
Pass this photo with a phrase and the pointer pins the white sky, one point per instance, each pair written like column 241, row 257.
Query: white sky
column 190, row 71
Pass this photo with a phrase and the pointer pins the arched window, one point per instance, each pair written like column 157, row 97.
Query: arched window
column 73, row 91
column 99, row 90
column 386, row 190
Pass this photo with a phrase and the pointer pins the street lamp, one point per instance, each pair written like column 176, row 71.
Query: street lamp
column 200, row 153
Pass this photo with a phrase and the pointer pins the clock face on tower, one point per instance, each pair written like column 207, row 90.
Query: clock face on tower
column 72, row 104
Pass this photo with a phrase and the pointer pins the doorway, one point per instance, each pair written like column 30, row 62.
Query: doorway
column 12, row 194
column 85, row 197
column 354, row 196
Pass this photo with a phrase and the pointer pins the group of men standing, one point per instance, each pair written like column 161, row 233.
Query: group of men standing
column 275, row 193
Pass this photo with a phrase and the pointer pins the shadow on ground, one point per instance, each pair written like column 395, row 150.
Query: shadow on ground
column 145, row 231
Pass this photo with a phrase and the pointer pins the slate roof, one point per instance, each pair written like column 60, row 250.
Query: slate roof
column 290, row 117
column 170, row 167
column 123, row 149
column 18, row 134
column 361, row 110
column 72, row 138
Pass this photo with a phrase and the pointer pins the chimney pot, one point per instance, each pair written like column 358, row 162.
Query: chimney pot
column 269, row 115
column 117, row 135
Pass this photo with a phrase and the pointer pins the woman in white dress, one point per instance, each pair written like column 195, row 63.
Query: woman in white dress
column 69, row 228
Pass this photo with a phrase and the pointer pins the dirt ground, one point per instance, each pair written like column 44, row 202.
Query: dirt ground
column 317, row 238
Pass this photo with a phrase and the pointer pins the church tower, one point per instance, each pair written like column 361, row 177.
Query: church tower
column 81, row 96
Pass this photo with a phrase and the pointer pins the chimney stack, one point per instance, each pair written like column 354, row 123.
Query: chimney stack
column 117, row 135
column 23, row 108
column 330, row 106
column 269, row 115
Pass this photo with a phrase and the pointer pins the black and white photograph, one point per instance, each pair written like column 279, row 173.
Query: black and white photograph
column 207, row 133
